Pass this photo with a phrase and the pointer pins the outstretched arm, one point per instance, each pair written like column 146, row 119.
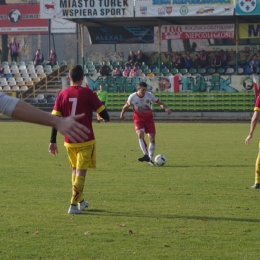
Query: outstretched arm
column 124, row 109
column 254, row 121
column 162, row 105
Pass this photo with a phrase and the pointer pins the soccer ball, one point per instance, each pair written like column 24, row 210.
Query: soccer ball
column 160, row 160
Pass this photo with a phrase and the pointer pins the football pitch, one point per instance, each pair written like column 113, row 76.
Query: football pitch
column 198, row 206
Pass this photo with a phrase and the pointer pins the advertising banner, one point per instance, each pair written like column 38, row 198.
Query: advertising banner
column 86, row 9
column 123, row 34
column 22, row 19
column 166, row 8
column 249, row 30
column 247, row 7
column 62, row 26
column 209, row 31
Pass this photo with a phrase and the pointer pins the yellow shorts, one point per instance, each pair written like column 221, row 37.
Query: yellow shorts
column 82, row 158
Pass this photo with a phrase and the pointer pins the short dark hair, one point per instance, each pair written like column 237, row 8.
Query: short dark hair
column 76, row 73
column 142, row 84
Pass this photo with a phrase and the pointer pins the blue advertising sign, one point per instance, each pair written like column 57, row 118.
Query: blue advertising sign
column 121, row 34
column 247, row 7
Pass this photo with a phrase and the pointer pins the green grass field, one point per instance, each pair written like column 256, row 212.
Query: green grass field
column 198, row 206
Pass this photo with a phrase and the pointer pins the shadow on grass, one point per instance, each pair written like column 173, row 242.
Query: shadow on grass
column 99, row 212
column 203, row 166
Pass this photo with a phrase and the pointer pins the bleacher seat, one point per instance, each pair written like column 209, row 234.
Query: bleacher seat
column 165, row 71
column 6, row 67
column 42, row 76
column 55, row 67
column 202, row 71
column 14, row 71
column 174, row 71
column 147, row 71
column 42, row 101
column 20, row 63
column 34, row 102
column 9, row 75
column 98, row 63
column 92, row 71
column 240, row 71
column 155, row 71
column 168, row 64
column 88, row 63
column 12, row 63
column 5, row 63
column 22, row 67
column 28, row 63
column 248, row 71
column 1, row 88
column 229, row 71
column 51, row 101
column 63, row 63
column 211, row 71
column 39, row 71
column 152, row 67
column 12, row 83
column 40, row 96
column 193, row 71
column 7, row 71
column 36, row 80
column 184, row 71
column 15, row 88
column 91, row 67
column 6, row 88
column 29, row 67
column 221, row 71
column 31, row 71
column 23, row 72
column 23, row 88
column 144, row 67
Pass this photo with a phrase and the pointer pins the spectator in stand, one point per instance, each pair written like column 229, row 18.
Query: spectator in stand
column 180, row 61
column 141, row 58
column 104, row 70
column 135, row 72
column 131, row 59
column 52, row 58
column 126, row 71
column 216, row 62
column 2, row 71
column 117, row 72
column 38, row 58
column 188, row 62
column 223, row 57
column 197, row 62
column 14, row 48
column 204, row 59
column 254, row 63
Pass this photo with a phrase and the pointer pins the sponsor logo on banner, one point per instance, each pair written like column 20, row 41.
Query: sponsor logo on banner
column 208, row 31
column 143, row 10
column 184, row 10
column 161, row 11
column 22, row 19
column 205, row 11
column 247, row 6
column 168, row 10
column 14, row 16
column 49, row 7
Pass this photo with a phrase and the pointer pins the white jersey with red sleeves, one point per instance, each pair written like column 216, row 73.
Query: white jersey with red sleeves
column 142, row 106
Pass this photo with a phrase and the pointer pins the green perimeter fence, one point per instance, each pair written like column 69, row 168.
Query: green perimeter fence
column 194, row 101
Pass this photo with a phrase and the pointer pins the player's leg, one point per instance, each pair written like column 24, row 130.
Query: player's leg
column 86, row 158
column 143, row 146
column 257, row 172
column 150, row 130
column 151, row 148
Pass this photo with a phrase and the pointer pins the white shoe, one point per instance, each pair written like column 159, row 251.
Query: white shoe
column 83, row 205
column 74, row 210
column 151, row 163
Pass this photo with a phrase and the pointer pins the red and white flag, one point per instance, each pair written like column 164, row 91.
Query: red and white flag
column 256, row 87
column 175, row 83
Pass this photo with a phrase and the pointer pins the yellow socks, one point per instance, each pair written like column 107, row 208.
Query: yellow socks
column 77, row 189
column 257, row 170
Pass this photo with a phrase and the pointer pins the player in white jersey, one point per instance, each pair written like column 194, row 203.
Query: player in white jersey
column 143, row 118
